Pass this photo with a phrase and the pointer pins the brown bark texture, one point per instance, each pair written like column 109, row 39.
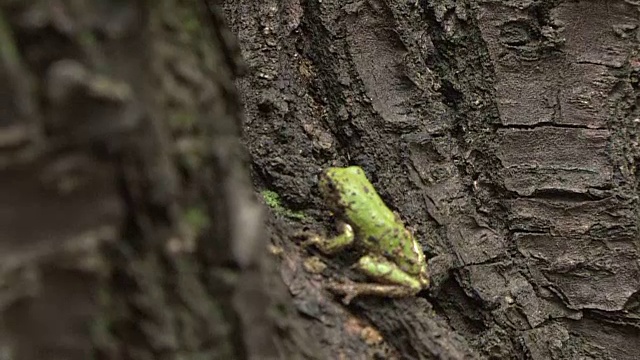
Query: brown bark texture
column 504, row 132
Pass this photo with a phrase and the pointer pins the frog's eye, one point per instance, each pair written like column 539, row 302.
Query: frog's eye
column 327, row 184
column 354, row 170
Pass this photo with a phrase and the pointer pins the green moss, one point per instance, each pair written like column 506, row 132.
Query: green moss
column 272, row 199
column 87, row 39
column 197, row 218
column 190, row 24
column 101, row 324
column 183, row 120
column 8, row 49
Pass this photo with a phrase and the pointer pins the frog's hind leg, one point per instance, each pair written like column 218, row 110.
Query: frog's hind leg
column 388, row 272
column 394, row 281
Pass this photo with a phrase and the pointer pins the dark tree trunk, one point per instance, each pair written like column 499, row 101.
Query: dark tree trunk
column 504, row 132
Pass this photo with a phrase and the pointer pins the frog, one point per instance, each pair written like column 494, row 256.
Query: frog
column 393, row 258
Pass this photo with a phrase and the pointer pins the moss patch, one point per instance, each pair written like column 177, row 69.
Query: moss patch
column 272, row 199
column 196, row 218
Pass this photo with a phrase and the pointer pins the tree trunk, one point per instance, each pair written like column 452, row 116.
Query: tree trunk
column 503, row 132
column 128, row 225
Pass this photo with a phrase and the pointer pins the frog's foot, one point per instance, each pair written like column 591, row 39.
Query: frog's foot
column 383, row 270
column 306, row 237
column 350, row 290
column 394, row 282
column 331, row 245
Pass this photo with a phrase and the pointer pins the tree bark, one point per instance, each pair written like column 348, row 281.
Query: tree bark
column 503, row 132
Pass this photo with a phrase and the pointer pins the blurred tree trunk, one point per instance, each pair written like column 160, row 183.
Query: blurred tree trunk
column 128, row 224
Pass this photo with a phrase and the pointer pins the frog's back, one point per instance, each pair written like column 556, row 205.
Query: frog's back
column 377, row 227
column 363, row 206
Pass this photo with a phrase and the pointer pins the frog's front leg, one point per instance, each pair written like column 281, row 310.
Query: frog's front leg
column 335, row 244
column 395, row 281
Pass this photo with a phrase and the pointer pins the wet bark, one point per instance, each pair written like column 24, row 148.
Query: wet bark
column 503, row 132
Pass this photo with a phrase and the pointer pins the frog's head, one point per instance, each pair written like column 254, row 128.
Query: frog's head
column 334, row 183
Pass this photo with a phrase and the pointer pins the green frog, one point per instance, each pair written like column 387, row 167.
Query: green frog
column 393, row 257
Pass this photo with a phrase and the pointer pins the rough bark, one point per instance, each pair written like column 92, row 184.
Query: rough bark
column 504, row 132
column 128, row 224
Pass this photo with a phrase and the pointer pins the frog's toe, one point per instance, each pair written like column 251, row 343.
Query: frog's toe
column 351, row 290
